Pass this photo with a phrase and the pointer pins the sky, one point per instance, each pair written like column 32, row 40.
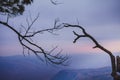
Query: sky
column 100, row 18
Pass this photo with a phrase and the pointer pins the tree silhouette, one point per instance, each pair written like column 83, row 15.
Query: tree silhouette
column 13, row 8
column 115, row 61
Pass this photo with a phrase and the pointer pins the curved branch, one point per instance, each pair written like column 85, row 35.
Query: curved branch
column 49, row 57
column 97, row 45
column 55, row 2
column 50, row 30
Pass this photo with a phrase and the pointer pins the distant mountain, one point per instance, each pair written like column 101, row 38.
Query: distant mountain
column 84, row 74
column 25, row 68
column 31, row 68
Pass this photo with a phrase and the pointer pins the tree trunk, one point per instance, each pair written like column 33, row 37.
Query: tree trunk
column 115, row 67
column 114, row 63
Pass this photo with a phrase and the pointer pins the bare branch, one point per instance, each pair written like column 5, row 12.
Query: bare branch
column 88, row 36
column 48, row 56
column 8, row 16
column 30, row 25
column 50, row 30
column 97, row 45
column 78, row 36
column 55, row 2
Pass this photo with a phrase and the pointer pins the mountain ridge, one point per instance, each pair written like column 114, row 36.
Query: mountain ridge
column 25, row 68
column 30, row 68
column 84, row 74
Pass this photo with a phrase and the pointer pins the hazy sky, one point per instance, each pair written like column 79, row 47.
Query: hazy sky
column 100, row 18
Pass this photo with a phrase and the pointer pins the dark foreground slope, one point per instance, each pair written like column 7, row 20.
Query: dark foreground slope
column 84, row 74
column 25, row 68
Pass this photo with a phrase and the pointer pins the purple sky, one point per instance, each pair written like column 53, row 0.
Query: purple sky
column 100, row 18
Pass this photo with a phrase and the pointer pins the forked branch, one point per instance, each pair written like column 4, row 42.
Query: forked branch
column 85, row 34
column 97, row 45
column 49, row 57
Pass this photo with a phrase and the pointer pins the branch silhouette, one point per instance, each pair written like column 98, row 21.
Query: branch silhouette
column 97, row 45
column 49, row 57
column 55, row 2
column 13, row 8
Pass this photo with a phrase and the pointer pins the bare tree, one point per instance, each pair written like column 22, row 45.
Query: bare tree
column 13, row 8
column 114, row 63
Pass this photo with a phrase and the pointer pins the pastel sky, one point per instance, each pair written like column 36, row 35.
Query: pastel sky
column 100, row 18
